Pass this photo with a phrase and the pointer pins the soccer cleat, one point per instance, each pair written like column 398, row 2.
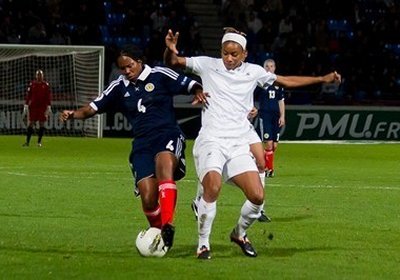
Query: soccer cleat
column 25, row 144
column 39, row 145
column 269, row 173
column 264, row 218
column 167, row 233
column 204, row 253
column 195, row 209
column 244, row 244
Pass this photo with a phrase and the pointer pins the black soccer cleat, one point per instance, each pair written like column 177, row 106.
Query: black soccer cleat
column 264, row 218
column 269, row 173
column 204, row 253
column 195, row 209
column 167, row 234
column 244, row 244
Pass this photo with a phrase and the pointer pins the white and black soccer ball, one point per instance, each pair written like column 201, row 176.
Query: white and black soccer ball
column 149, row 243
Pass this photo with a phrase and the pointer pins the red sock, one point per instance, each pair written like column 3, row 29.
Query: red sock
column 269, row 159
column 266, row 160
column 167, row 196
column 154, row 217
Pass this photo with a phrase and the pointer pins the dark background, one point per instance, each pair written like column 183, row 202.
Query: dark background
column 358, row 38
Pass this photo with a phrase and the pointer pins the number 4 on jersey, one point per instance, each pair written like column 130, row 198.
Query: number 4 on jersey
column 141, row 108
column 170, row 146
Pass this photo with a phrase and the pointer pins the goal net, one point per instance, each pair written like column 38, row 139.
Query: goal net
column 75, row 75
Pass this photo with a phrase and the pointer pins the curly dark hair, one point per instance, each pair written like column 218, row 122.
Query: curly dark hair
column 233, row 30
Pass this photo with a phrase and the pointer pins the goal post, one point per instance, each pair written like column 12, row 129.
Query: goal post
column 75, row 75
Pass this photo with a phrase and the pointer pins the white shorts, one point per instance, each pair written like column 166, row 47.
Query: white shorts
column 253, row 137
column 227, row 156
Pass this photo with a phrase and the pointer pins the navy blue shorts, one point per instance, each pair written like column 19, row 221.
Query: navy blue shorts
column 144, row 151
column 268, row 127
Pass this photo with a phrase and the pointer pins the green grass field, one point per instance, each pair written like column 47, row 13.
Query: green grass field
column 67, row 211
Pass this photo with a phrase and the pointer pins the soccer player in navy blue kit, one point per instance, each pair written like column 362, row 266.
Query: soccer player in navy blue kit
column 145, row 96
column 271, row 117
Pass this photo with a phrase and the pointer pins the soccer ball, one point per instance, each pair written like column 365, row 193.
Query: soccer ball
column 149, row 243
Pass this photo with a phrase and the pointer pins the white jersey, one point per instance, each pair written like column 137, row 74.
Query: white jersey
column 231, row 94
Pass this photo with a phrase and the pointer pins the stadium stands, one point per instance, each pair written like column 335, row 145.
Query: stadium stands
column 361, row 39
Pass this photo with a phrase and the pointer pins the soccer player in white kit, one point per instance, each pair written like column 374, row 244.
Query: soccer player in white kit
column 221, row 150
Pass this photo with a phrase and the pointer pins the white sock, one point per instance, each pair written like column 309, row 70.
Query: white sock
column 207, row 212
column 262, row 178
column 248, row 214
column 199, row 192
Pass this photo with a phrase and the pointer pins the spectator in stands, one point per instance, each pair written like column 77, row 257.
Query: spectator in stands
column 159, row 20
column 254, row 23
column 37, row 33
column 373, row 24
column 285, row 25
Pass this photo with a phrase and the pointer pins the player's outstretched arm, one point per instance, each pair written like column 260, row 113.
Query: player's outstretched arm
column 300, row 81
column 171, row 57
column 80, row 114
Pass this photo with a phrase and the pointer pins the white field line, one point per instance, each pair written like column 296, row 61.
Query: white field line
column 194, row 182
column 396, row 188
column 274, row 185
column 90, row 175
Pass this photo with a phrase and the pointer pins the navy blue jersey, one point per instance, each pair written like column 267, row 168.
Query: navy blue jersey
column 148, row 103
column 148, row 106
column 267, row 124
column 268, row 99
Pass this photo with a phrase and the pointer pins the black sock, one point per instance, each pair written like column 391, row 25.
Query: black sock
column 40, row 134
column 29, row 133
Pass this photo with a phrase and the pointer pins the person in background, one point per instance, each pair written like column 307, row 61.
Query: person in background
column 271, row 117
column 145, row 96
column 222, row 150
column 37, row 106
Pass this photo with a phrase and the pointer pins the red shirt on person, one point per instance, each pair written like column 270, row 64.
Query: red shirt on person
column 38, row 98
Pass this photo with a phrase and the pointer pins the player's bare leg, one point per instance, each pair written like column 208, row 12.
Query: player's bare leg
column 207, row 209
column 257, row 150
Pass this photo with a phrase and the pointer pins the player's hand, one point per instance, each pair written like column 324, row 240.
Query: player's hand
column 281, row 121
column 48, row 111
column 332, row 77
column 171, row 40
column 201, row 98
column 26, row 109
column 253, row 113
column 337, row 77
column 66, row 115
